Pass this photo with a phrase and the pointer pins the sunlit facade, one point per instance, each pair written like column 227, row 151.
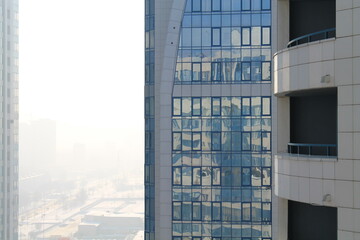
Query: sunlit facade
column 9, row 120
column 208, row 116
column 317, row 88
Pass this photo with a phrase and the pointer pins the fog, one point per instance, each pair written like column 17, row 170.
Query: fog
column 81, row 117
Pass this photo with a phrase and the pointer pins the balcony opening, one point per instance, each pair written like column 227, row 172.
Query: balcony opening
column 311, row 20
column 309, row 222
column 313, row 122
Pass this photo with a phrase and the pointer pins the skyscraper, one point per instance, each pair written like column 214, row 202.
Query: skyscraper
column 9, row 120
column 235, row 150
column 317, row 88
column 208, row 119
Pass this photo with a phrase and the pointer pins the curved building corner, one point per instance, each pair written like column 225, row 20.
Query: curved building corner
column 317, row 88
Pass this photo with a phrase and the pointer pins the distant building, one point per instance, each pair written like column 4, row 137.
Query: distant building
column 9, row 118
column 96, row 225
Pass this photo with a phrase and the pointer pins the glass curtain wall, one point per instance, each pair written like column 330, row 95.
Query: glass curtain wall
column 221, row 145
column 149, row 120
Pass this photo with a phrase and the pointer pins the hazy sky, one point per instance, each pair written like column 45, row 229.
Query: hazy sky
column 81, row 64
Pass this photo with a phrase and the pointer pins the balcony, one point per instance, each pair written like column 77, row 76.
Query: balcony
column 305, row 66
column 307, row 150
column 327, row 150
column 311, row 20
column 316, row 36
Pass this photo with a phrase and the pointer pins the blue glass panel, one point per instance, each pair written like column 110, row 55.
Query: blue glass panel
column 186, row 211
column 177, row 229
column 206, row 5
column 176, row 175
column 216, row 159
column 255, row 19
column 206, row 176
column 216, row 211
column 235, row 38
column 266, row 5
column 196, row 21
column 216, row 176
column 196, row 211
column 226, row 20
column 246, row 20
column 266, row 19
column 206, row 211
column 245, row 5
column 246, row 176
column 236, row 5
column 216, row 36
column 186, row 21
column 236, row 215
column 177, row 210
column 186, row 37
column 226, row 176
column 265, row 36
column 196, row 5
column 256, row 5
column 246, row 71
column 216, row 5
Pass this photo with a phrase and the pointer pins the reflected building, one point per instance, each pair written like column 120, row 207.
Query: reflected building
column 9, row 120
column 208, row 120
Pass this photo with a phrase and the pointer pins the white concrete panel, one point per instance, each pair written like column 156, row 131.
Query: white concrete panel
column 343, row 47
column 304, row 189
column 345, row 114
column 357, row 170
column 315, row 169
column 315, row 52
column 304, row 168
column 328, row 50
column 345, row 235
column 328, row 170
column 344, row 193
column 356, row 21
column 315, row 70
column 344, row 22
column 346, row 219
column 356, row 47
column 345, row 148
column 329, row 188
column 356, row 112
column 294, row 188
column 357, row 195
column 356, row 213
column 356, row 93
column 343, row 4
column 356, row 145
column 316, row 194
column 343, row 72
column 356, row 3
column 343, row 170
column 303, row 54
column 345, row 95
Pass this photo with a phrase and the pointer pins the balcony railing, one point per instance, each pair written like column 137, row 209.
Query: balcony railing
column 324, row 34
column 313, row 149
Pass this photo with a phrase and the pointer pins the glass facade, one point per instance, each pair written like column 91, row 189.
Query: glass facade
column 149, row 120
column 221, row 168
column 225, row 41
column 221, row 145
